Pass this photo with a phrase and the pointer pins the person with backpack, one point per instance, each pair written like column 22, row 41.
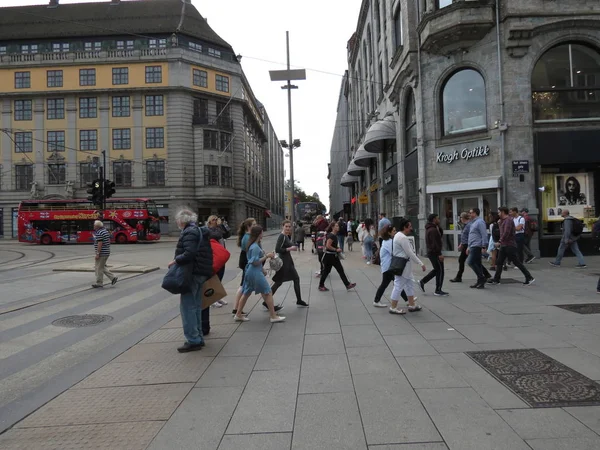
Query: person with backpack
column 320, row 246
column 531, row 227
column 342, row 233
column 572, row 229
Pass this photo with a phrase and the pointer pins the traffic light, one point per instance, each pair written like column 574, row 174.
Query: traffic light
column 109, row 188
column 95, row 191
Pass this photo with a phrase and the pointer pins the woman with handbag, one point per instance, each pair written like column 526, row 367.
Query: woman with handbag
column 243, row 236
column 331, row 259
column 402, row 258
column 288, row 270
column 194, row 255
column 387, row 235
column 217, row 232
column 255, row 279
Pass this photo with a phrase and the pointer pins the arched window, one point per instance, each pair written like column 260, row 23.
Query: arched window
column 463, row 103
column 410, row 124
column 565, row 84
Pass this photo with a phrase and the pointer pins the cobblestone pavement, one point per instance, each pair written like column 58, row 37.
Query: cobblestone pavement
column 343, row 374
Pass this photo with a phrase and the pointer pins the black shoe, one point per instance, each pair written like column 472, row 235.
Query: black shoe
column 301, row 303
column 187, row 347
column 493, row 282
column 206, row 333
column 455, row 280
column 278, row 308
column 114, row 280
column 422, row 285
column 441, row 293
column 480, row 286
column 97, row 286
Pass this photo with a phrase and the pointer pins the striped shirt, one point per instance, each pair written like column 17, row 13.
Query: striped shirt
column 102, row 235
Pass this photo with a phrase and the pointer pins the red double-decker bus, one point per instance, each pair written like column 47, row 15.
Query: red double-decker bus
column 72, row 221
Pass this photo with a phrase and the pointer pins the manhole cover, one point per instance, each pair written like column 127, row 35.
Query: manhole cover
column 538, row 379
column 582, row 308
column 85, row 320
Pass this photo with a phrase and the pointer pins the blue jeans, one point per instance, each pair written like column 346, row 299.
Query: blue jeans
column 341, row 241
column 474, row 262
column 190, row 307
column 574, row 248
column 368, row 244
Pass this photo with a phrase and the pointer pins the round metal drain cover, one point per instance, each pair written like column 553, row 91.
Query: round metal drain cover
column 85, row 320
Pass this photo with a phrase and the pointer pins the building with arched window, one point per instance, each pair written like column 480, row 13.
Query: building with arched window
column 477, row 104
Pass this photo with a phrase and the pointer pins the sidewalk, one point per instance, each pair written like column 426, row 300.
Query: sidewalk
column 345, row 375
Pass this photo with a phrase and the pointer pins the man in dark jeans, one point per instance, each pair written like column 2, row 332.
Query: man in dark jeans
column 508, row 248
column 433, row 241
column 463, row 247
column 478, row 241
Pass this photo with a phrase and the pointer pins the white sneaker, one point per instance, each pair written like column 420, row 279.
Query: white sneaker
column 278, row 319
column 368, row 263
column 379, row 304
column 397, row 311
column 222, row 302
column 216, row 304
column 241, row 319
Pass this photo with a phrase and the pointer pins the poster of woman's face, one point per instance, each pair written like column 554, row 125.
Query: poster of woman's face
column 572, row 189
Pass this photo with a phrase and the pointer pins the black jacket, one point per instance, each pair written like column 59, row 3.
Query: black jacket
column 433, row 239
column 288, row 270
column 187, row 250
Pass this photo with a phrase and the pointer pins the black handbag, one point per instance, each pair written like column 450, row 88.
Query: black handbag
column 398, row 263
column 179, row 278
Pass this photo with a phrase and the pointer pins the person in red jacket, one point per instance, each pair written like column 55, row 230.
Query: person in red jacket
column 433, row 241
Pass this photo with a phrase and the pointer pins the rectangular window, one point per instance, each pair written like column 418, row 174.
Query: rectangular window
column 155, row 173
column 121, row 139
column 398, row 27
column 225, row 139
column 88, row 172
column 211, row 175
column 200, row 78
column 24, row 142
column 122, row 173
column 88, row 140
column 223, row 116
column 61, row 47
column 2, row 49
column 22, row 80
column 201, row 107
column 87, row 77
column 57, row 173
column 120, row 75
column 54, row 78
column 211, row 140
column 124, row 45
column 92, row 46
column 155, row 137
column 120, row 106
column 226, row 176
column 214, row 52
column 154, row 105
column 55, row 108
column 222, row 83
column 88, row 107
column 195, row 47
column 444, row 3
column 153, row 74
column 32, row 49
column 23, row 177
column 157, row 43
column 23, row 110
column 56, row 141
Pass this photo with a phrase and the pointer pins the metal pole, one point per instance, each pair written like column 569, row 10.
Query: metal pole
column 102, row 178
column 291, row 141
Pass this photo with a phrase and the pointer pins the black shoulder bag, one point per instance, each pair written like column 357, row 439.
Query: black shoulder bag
column 398, row 263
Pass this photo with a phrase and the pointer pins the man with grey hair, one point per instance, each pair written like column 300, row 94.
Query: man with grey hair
column 569, row 239
column 102, row 252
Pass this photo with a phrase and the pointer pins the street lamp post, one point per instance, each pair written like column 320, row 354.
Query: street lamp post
column 289, row 75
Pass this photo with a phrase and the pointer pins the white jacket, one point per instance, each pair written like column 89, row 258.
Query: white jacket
column 403, row 249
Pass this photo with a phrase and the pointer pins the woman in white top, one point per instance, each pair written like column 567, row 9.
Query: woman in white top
column 405, row 282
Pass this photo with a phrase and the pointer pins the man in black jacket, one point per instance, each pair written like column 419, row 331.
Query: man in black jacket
column 433, row 241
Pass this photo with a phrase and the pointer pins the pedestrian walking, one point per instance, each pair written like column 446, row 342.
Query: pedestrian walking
column 331, row 259
column 433, row 242
column 383, row 222
column 530, row 228
column 508, row 248
column 193, row 250
column 102, row 252
column 463, row 246
column 320, row 246
column 478, row 242
column 255, row 277
column 368, row 240
column 387, row 235
column 288, row 272
column 218, row 232
column 299, row 236
column 519, row 222
column 572, row 229
column 404, row 282
column 342, row 233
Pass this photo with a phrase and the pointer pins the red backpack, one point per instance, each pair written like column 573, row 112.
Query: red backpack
column 220, row 255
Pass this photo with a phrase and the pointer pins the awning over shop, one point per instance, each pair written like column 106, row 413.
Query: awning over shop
column 378, row 132
column 355, row 170
column 474, row 184
column 363, row 158
column 348, row 180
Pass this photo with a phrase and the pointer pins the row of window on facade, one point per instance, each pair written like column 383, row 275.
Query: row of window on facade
column 211, row 176
column 254, row 184
column 96, row 46
column 88, row 140
column 87, row 77
column 56, row 173
column 88, row 107
column 200, row 79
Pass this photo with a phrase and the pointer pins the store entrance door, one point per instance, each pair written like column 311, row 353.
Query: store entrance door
column 449, row 208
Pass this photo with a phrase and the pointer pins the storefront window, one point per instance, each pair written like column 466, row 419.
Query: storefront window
column 463, row 103
column 565, row 84
column 410, row 135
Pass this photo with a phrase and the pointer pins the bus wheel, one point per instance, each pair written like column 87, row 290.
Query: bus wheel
column 121, row 239
column 46, row 239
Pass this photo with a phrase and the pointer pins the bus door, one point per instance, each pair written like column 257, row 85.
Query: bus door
column 68, row 231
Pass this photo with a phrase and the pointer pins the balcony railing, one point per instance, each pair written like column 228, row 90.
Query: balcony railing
column 223, row 123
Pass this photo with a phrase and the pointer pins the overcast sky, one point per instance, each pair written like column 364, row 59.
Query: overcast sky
column 319, row 31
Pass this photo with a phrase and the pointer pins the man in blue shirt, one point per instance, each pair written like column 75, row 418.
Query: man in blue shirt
column 463, row 247
column 477, row 242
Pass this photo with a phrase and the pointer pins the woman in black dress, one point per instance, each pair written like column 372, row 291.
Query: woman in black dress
column 288, row 271
column 331, row 259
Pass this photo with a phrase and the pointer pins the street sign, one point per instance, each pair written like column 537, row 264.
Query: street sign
column 285, row 75
column 521, row 166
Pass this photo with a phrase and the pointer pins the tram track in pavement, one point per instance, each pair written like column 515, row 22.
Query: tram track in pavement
column 21, row 255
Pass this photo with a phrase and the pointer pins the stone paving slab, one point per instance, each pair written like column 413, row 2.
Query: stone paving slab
column 362, row 336
column 127, row 435
column 109, row 405
column 546, row 423
column 585, row 443
column 430, row 372
column 410, row 345
column 115, row 267
column 578, row 360
column 228, row 371
column 245, row 344
column 323, row 344
column 325, row 373
column 422, row 446
column 267, row 441
column 588, row 415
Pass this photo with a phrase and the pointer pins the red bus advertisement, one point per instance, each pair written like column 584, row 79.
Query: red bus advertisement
column 72, row 221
